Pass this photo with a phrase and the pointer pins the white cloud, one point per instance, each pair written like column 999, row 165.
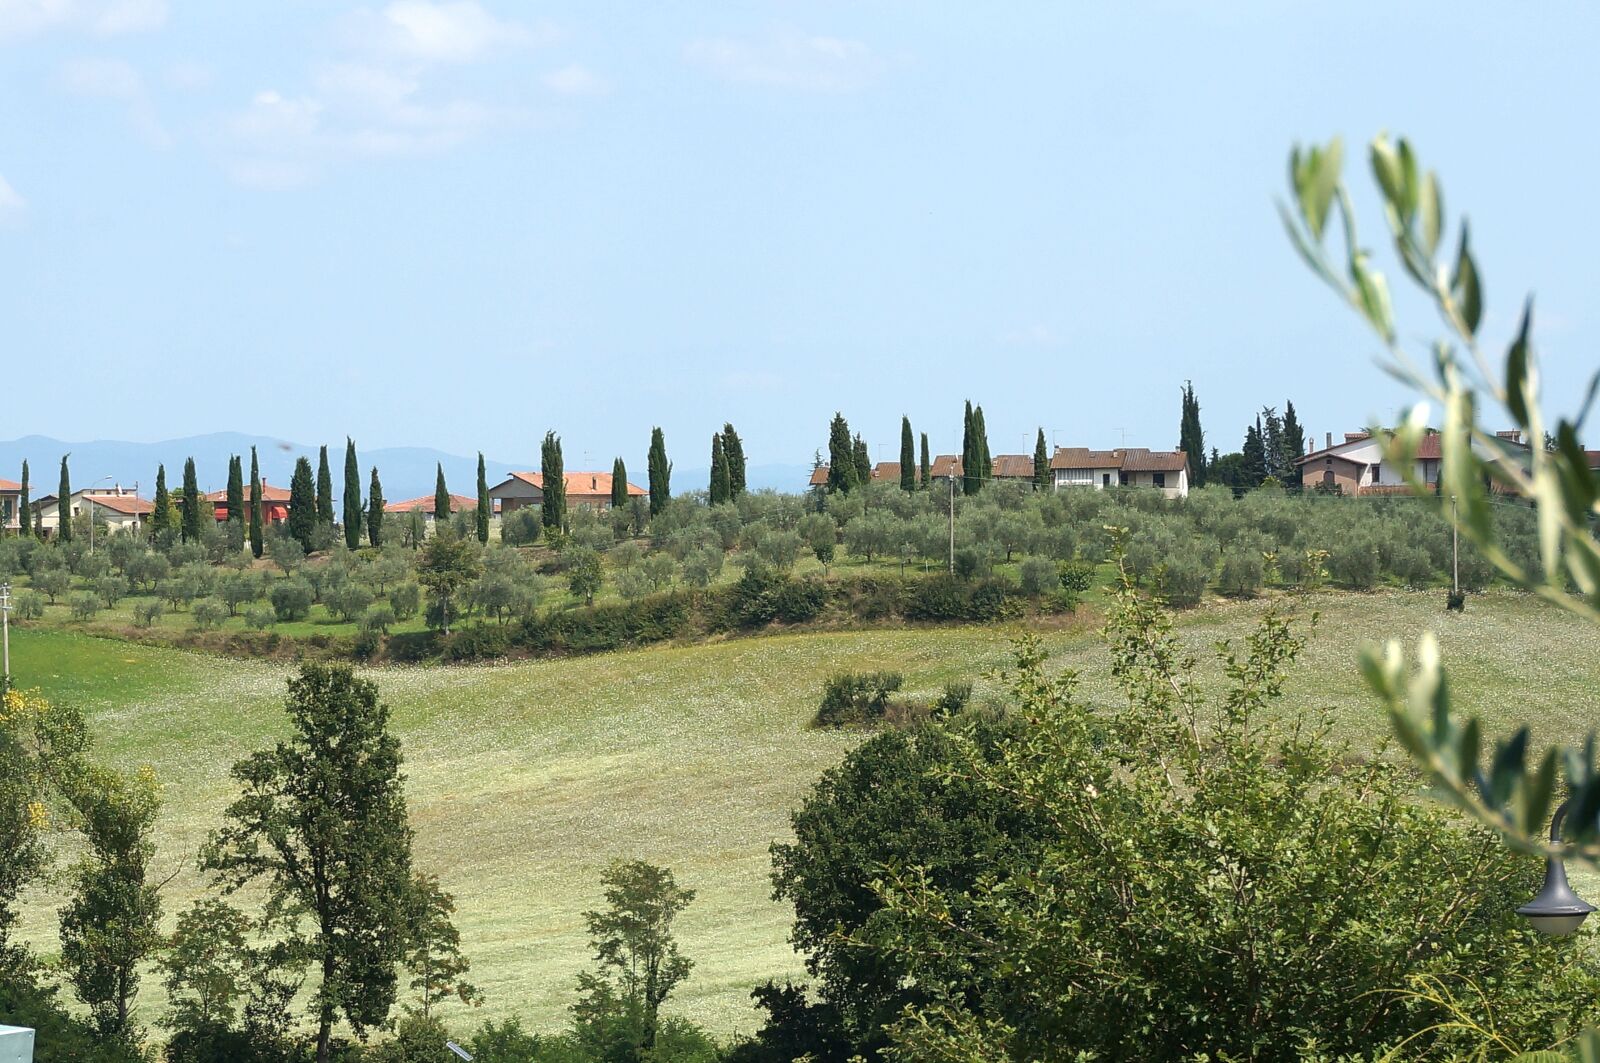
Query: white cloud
column 575, row 80
column 456, row 31
column 114, row 79
column 11, row 202
column 789, row 59
column 104, row 18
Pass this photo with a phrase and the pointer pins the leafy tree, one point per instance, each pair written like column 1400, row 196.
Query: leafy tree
column 193, row 505
column 485, row 506
column 619, row 485
column 375, row 510
column 925, row 467
column 302, row 523
column 64, row 504
column 842, row 478
column 660, row 473
column 441, row 498
column 446, row 565
column 584, row 574
column 235, row 492
column 24, row 509
column 908, row 456
column 1191, row 438
column 23, row 855
column 637, row 954
column 321, row 826
column 352, row 496
column 324, row 489
column 553, row 470
column 862, row 460
column 433, row 951
column 215, row 975
column 1041, row 464
column 721, row 488
column 161, row 514
column 257, row 542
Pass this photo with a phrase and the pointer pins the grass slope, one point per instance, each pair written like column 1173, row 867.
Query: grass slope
column 525, row 779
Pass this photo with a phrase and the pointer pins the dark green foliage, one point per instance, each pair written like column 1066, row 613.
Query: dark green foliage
column 1294, row 445
column 553, row 478
column 485, row 505
column 637, row 960
column 446, row 565
column 161, row 515
column 375, row 510
column 1041, row 464
column 521, row 527
column 193, row 506
column 64, row 504
column 59, row 1037
column 24, row 507
column 616, row 625
column 969, row 452
column 257, row 542
column 949, row 598
column 924, row 469
column 721, row 488
column 235, row 492
column 862, row 459
column 1191, row 437
column 763, row 595
column 856, row 697
column 291, row 599
column 302, row 522
column 324, row 489
column 908, row 456
column 351, row 502
column 321, row 826
column 1254, row 456
column 619, row 484
column 660, row 472
column 733, row 451
column 841, row 457
column 441, row 499
column 433, row 956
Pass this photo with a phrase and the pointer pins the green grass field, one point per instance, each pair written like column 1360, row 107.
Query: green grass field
column 525, row 779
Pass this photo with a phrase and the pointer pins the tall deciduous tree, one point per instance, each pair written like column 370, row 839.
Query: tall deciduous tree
column 720, row 487
column 257, row 540
column 660, row 473
column 485, row 506
column 1041, row 464
column 733, row 451
column 925, row 466
column 375, row 510
column 352, row 495
column 1191, row 439
column 862, row 459
column 441, row 497
column 553, row 478
column 193, row 504
column 321, row 826
column 619, row 484
column 637, row 953
column 161, row 515
column 302, row 504
column 908, row 456
column 433, row 952
column 64, row 504
column 841, row 456
column 324, row 490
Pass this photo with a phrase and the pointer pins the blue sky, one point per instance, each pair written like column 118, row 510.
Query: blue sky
column 460, row 224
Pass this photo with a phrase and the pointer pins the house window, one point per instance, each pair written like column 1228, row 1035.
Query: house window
column 1159, row 479
column 1077, row 476
column 1122, row 479
column 1377, row 473
column 1105, row 479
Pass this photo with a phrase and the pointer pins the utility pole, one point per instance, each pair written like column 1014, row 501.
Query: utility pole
column 5, row 637
column 952, row 481
column 1455, row 549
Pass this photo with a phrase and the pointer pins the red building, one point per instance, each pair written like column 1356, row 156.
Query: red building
column 274, row 504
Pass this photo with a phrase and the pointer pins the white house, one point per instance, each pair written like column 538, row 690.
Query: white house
column 117, row 507
column 1356, row 465
column 1165, row 470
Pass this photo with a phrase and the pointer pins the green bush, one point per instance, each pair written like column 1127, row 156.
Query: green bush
column 259, row 618
column 1353, row 561
column 30, row 605
column 291, row 599
column 146, row 613
column 1076, row 576
column 608, row 627
column 84, row 605
column 209, row 613
column 379, row 618
column 1243, row 571
column 1183, row 579
column 948, row 598
column 856, row 697
column 521, row 527
column 1037, row 575
column 405, row 599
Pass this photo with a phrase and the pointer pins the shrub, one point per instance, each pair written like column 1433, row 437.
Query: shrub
column 1456, row 601
column 955, row 696
column 209, row 613
column 237, row 588
column 30, row 605
column 1037, row 575
column 855, row 697
column 1183, row 579
column 348, row 601
column 968, row 563
column 379, row 618
column 405, row 599
column 84, row 605
column 609, row 627
column 145, row 614
column 54, row 582
column 1353, row 561
column 291, row 599
column 1076, row 576
column 260, row 617
column 1243, row 571
column 946, row 598
column 110, row 589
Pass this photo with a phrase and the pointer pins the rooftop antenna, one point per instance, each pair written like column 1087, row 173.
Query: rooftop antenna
column 1124, row 433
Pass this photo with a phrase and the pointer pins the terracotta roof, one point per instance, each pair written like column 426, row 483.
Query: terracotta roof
column 7, row 485
column 131, row 505
column 1084, row 458
column 1594, row 459
column 888, row 471
column 579, row 484
column 268, row 494
column 819, row 476
column 1138, row 459
column 1013, row 467
column 425, row 503
column 945, row 466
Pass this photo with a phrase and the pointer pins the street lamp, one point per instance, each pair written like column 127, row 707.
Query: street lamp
column 1556, row 910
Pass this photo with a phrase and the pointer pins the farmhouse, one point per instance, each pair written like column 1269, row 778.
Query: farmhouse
column 424, row 504
column 274, row 504
column 10, row 505
column 118, row 508
column 585, row 490
column 1356, row 465
column 1165, row 470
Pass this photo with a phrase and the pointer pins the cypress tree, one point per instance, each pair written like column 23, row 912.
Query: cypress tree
column 619, row 484
column 302, row 504
column 841, row 458
column 908, row 456
column 721, row 487
column 969, row 453
column 191, row 503
column 660, row 473
column 484, row 505
column 1191, row 440
column 257, row 541
column 235, row 495
column 324, row 490
column 375, row 510
column 862, row 460
column 1255, row 456
column 980, row 437
column 352, row 495
column 733, row 453
column 161, row 516
column 441, row 498
column 24, row 518
column 1294, row 445
column 553, row 473
column 64, row 503
column 1041, row 464
column 925, row 470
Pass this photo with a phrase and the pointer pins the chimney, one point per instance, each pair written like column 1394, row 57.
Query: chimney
column 1330, row 440
column 594, row 483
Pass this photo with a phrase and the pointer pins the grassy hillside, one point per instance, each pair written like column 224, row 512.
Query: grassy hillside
column 525, row 779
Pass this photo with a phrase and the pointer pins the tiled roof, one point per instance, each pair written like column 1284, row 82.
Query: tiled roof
column 425, row 504
column 1594, row 459
column 131, row 505
column 1013, row 467
column 579, row 484
column 1138, row 459
column 7, row 485
column 268, row 494
column 945, row 466
column 886, row 471
column 819, row 476
column 1084, row 458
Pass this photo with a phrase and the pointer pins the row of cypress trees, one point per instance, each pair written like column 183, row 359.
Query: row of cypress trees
column 727, row 466
column 849, row 465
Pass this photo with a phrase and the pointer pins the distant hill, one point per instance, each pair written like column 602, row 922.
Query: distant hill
column 406, row 472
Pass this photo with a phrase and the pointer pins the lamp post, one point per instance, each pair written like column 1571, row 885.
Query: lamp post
column 88, row 497
column 1556, row 910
